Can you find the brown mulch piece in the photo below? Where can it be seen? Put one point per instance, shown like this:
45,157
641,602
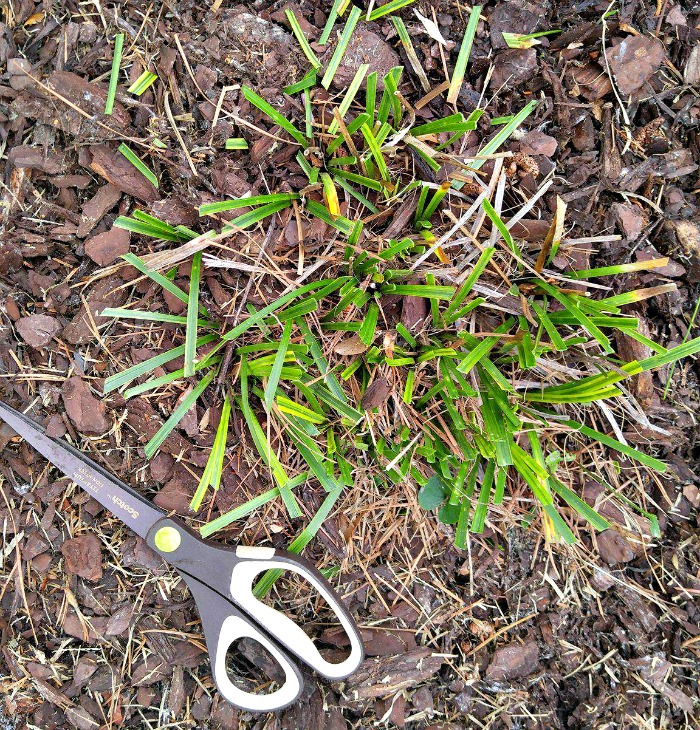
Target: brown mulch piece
105,248
86,411
95,630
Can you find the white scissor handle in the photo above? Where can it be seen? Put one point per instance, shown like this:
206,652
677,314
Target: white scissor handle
232,629
281,627
223,626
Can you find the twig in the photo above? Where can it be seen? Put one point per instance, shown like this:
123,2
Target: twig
169,114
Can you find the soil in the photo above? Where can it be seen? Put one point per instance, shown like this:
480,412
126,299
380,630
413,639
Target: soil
95,632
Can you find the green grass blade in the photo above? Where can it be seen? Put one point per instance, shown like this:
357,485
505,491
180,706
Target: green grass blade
142,83
138,164
500,225
584,509
549,327
350,95
264,447
147,316
312,455
438,195
215,462
340,223
370,98
301,38
366,182
340,49
616,445
338,405
390,7
332,17
156,277
292,408
356,123
321,362
484,347
251,505
113,382
154,383
687,349
452,123
145,229
273,380
374,148
479,519
185,404
369,324
463,57
496,431
582,319
493,145
261,314
301,541
307,82
236,203
619,269
427,291
147,225
274,115
157,223
192,310
411,52
426,153
236,143
464,290
610,304
255,216
389,100
114,74
357,195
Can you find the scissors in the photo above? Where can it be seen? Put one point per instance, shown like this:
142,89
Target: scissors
220,578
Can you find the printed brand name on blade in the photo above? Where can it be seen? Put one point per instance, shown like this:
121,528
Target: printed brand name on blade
126,507
88,480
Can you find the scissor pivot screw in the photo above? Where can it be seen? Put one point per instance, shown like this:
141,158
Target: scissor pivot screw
167,539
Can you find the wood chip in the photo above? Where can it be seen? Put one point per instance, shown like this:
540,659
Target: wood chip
117,170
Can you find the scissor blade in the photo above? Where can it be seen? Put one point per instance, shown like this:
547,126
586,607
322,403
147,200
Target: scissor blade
122,501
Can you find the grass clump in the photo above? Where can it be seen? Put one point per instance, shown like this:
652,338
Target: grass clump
496,387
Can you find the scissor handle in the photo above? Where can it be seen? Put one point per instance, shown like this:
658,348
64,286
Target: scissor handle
231,572
254,560
223,626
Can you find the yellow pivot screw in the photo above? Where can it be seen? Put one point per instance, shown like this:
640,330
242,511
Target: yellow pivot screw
167,539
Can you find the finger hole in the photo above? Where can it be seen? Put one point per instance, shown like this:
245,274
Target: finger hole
293,595
251,668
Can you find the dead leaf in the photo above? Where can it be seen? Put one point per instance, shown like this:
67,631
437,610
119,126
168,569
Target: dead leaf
691,72
377,392
351,346
554,235
431,28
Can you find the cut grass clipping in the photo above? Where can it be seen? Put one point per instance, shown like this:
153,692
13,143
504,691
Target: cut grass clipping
114,74
142,83
488,401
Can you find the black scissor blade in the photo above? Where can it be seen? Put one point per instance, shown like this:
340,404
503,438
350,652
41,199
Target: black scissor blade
122,501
